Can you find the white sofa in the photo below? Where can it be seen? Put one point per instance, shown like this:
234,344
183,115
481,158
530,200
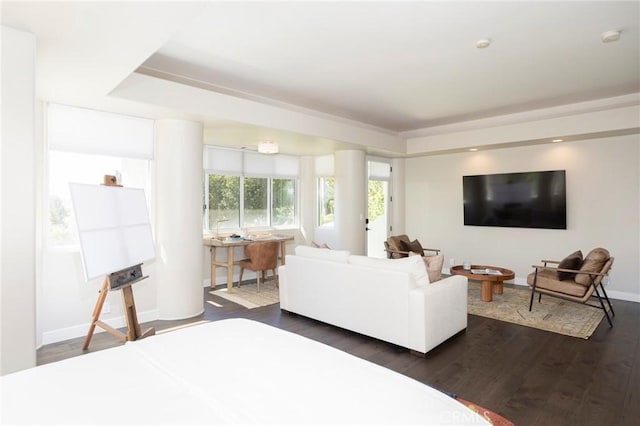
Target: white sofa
388,299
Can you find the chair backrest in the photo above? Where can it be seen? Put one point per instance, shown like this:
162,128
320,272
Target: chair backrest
598,280
263,255
393,243
594,261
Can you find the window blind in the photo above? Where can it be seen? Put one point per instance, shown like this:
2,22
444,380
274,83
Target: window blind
89,131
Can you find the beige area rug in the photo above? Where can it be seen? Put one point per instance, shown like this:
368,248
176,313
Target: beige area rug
249,297
552,314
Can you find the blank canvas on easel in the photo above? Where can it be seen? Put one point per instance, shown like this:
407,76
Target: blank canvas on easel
113,227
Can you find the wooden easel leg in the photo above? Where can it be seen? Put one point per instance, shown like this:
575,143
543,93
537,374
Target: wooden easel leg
133,327
96,312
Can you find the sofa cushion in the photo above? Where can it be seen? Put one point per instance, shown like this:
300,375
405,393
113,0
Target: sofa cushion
594,262
322,253
573,261
548,279
412,264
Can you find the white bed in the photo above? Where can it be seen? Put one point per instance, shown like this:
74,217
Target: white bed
234,371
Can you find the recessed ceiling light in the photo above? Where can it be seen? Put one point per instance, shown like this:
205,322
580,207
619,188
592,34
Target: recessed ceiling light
557,140
483,43
473,149
609,36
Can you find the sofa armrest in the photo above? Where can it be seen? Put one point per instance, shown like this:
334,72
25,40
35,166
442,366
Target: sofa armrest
437,311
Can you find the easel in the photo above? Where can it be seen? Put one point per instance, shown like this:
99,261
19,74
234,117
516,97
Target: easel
119,280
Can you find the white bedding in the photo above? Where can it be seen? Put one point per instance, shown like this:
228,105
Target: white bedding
233,371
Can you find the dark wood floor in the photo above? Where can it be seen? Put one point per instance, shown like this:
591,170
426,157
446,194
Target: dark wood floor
531,377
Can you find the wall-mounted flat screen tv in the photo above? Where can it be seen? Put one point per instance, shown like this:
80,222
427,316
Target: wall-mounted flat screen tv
519,200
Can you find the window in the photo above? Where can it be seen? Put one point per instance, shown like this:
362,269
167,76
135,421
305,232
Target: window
234,202
84,145
224,202
326,196
246,190
283,193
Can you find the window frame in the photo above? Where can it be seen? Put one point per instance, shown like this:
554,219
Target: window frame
209,228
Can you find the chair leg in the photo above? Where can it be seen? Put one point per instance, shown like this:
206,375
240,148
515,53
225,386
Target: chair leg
275,278
601,302
533,289
240,277
539,297
608,301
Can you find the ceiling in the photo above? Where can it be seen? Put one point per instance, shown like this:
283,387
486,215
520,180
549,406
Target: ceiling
397,66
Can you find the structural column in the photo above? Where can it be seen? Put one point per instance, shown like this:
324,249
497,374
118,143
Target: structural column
398,194
351,200
17,202
178,161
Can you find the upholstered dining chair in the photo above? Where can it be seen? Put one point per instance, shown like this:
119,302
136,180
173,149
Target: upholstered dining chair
577,282
260,258
398,246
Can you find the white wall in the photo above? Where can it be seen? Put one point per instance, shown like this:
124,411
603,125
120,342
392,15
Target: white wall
17,202
603,199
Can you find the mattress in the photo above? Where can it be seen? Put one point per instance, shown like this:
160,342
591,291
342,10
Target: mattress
233,371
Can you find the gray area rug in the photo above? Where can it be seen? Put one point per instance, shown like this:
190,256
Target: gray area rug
552,314
249,297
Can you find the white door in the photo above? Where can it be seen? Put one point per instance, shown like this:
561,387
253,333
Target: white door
377,207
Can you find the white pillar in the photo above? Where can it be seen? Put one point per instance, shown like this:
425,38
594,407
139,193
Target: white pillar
178,161
398,194
17,202
350,200
308,199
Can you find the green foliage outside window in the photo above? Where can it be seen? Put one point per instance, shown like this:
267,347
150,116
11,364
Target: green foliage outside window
224,201
376,194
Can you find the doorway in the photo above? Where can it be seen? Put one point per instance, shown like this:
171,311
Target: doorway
378,199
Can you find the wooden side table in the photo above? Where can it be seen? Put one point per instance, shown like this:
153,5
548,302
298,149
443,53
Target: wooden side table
490,283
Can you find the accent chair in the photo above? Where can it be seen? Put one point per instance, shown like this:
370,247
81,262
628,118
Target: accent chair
260,258
574,279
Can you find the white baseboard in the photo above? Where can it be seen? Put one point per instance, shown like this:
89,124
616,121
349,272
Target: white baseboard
81,330
613,294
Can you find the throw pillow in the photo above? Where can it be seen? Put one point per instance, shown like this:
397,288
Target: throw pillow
434,267
573,261
323,245
413,246
594,262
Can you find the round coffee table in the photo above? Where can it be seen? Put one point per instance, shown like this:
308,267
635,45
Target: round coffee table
491,283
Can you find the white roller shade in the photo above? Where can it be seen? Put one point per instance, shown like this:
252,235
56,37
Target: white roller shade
95,132
220,160
324,165
379,170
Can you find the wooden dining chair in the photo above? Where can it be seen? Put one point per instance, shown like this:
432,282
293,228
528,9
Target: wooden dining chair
260,258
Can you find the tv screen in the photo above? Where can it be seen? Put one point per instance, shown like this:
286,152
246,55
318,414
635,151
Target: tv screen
519,200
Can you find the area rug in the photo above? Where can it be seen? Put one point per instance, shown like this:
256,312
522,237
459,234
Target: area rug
552,314
249,297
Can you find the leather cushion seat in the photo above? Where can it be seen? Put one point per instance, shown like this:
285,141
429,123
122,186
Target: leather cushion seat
548,279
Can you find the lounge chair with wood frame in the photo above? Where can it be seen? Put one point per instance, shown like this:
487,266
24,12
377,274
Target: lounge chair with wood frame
398,246
577,284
